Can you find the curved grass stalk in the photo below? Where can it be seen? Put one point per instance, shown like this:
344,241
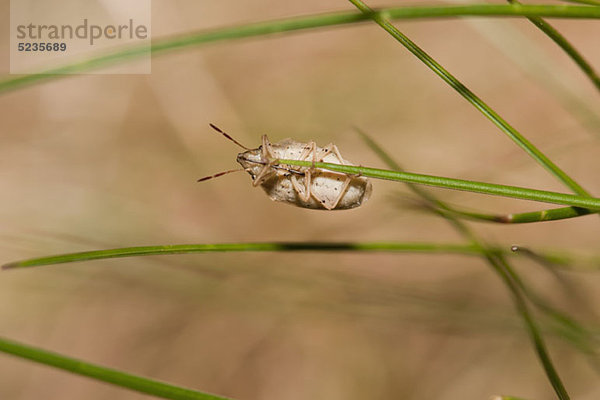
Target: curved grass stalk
516,192
502,267
507,274
444,209
439,248
558,259
564,44
172,43
450,213
539,67
382,20
581,337
554,214
109,375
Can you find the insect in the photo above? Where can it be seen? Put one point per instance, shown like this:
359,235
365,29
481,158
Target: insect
306,187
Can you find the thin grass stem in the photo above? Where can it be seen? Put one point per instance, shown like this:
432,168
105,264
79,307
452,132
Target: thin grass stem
109,375
554,214
434,204
564,44
431,248
382,20
516,192
172,43
499,264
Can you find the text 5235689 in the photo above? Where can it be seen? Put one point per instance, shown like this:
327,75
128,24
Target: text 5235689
43,46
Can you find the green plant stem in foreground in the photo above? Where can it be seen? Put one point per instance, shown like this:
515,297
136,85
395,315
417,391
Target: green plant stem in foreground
457,184
558,259
118,378
554,214
442,248
382,20
431,203
161,45
515,285
564,44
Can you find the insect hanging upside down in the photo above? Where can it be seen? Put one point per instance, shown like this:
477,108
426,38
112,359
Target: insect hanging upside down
306,187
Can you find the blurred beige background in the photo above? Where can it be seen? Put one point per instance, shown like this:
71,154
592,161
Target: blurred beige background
92,162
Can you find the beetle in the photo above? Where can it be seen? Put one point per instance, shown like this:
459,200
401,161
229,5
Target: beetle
306,187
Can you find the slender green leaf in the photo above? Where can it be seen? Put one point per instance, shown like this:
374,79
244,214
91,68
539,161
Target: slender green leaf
109,375
457,184
382,20
501,266
444,209
442,248
554,214
161,45
564,44
508,276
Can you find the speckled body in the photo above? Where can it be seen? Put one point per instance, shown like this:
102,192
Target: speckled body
300,186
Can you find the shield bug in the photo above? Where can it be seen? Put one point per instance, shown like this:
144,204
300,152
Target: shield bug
306,187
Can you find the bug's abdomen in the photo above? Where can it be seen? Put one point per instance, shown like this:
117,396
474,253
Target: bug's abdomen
325,188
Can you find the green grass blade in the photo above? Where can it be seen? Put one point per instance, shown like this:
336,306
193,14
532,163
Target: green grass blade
579,336
507,274
516,192
163,45
539,67
564,44
554,214
560,259
513,134
441,248
502,267
444,209
574,332
118,378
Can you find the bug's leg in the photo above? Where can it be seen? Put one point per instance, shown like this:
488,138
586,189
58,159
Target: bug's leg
331,204
303,192
324,151
311,147
336,151
303,157
263,175
314,154
297,186
268,157
332,147
267,150
341,193
326,204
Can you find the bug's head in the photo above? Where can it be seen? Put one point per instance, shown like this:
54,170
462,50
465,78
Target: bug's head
251,161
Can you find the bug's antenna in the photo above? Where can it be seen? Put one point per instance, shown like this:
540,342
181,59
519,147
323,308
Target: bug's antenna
219,174
216,128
